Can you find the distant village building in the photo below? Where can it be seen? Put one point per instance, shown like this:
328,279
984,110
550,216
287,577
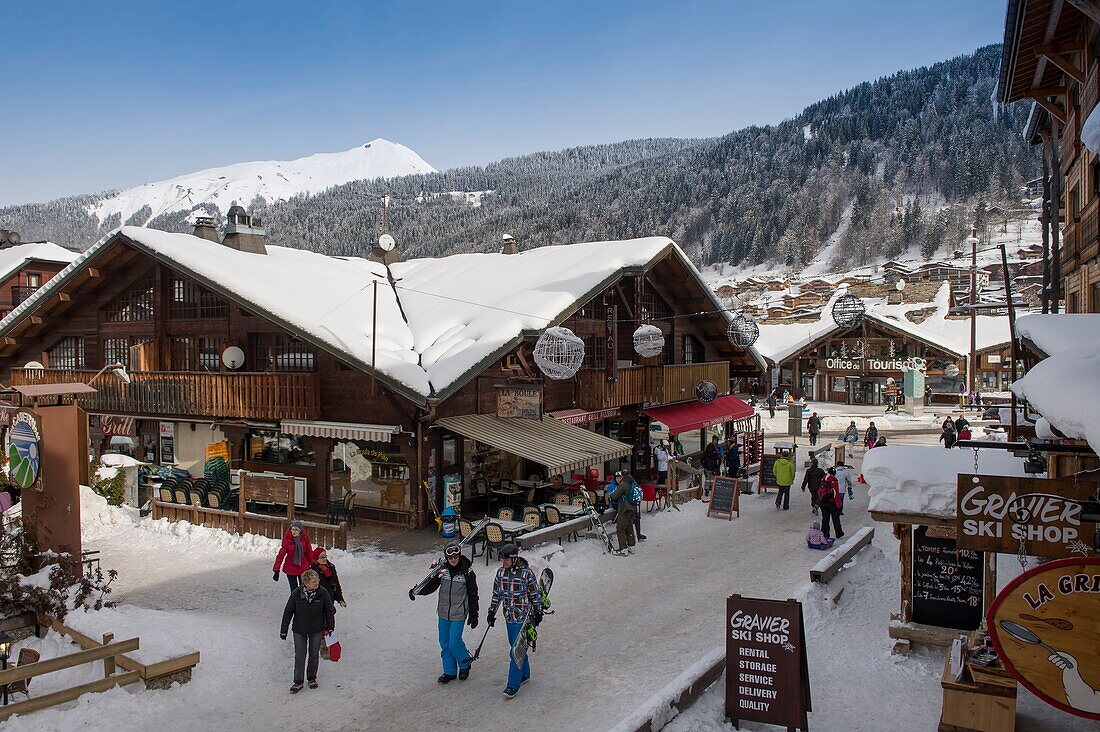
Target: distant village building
26,266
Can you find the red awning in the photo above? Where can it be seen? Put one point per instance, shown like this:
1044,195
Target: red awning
697,415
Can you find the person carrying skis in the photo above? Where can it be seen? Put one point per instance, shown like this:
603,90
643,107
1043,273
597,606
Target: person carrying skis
310,607
456,606
828,497
813,426
326,571
516,589
295,554
812,479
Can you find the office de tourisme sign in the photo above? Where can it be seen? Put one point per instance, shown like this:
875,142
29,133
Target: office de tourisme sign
874,364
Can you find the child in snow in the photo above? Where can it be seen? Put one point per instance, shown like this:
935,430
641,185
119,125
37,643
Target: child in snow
817,540
516,589
871,436
295,555
310,607
326,570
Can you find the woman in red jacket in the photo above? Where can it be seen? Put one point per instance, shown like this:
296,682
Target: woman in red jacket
295,555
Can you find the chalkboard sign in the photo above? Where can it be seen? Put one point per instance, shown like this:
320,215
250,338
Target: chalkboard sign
767,676
724,497
947,582
767,471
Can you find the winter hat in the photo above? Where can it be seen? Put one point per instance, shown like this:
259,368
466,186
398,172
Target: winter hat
832,470
297,525
317,551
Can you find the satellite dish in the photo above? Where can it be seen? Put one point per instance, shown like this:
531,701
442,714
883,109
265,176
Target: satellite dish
33,365
900,285
233,358
386,243
13,237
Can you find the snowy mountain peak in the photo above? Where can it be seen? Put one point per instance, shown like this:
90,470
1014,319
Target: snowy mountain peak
272,180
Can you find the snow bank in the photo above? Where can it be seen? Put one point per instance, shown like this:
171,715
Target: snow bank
918,480
1053,334
658,710
1065,389
160,634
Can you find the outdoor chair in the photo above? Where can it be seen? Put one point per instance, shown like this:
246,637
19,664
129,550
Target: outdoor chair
561,499
166,493
180,493
529,496
26,656
196,496
578,500
532,517
649,495
465,528
213,498
536,477
494,539
553,518
480,491
505,513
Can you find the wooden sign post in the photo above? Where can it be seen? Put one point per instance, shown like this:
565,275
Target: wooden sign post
1045,625
767,473
767,674
724,497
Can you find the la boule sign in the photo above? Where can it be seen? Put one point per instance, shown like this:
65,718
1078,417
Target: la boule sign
996,513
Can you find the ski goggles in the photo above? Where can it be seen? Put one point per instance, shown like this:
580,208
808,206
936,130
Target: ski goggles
452,551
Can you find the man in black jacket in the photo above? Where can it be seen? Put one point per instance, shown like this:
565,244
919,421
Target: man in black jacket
813,426
310,607
457,605
812,480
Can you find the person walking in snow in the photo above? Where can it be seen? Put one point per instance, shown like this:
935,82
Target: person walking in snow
948,436
870,436
771,405
813,426
310,608
960,423
947,422
828,498
326,571
516,589
295,554
712,459
812,480
733,458
784,470
844,480
456,606
622,497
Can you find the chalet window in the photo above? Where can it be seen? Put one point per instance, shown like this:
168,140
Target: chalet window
195,353
189,301
68,353
34,279
280,449
280,352
594,355
693,350
117,350
133,306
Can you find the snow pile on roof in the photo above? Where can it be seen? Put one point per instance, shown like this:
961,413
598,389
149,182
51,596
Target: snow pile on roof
1053,334
13,258
1065,389
115,460
918,480
272,180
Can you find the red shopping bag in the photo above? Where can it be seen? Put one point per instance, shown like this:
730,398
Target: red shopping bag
332,645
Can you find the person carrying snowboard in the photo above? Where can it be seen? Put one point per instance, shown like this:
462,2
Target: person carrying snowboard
516,589
457,605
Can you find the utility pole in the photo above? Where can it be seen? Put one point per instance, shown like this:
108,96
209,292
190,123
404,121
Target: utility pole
972,364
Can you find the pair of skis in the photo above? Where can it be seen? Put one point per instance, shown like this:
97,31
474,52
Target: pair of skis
528,633
477,529
597,524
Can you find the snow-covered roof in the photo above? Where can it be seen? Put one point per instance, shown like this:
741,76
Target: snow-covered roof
437,320
1053,334
922,481
1065,389
12,259
780,342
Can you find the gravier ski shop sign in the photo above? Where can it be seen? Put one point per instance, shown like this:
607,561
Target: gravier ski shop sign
767,679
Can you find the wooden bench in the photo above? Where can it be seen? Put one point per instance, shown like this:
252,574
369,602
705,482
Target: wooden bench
832,562
557,531
817,452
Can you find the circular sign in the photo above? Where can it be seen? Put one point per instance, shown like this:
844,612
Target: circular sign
706,391
951,371
1045,625
23,450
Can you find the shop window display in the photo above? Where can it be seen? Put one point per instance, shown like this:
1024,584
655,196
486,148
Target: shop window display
376,472
278,449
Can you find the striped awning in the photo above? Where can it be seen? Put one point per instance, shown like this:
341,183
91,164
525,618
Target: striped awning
341,430
559,447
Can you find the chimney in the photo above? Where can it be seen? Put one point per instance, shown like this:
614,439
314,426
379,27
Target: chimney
205,228
508,245
9,238
243,232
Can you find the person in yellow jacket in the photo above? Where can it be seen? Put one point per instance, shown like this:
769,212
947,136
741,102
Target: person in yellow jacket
784,476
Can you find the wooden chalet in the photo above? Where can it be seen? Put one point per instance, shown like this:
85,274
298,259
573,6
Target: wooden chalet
24,267
1048,57
349,374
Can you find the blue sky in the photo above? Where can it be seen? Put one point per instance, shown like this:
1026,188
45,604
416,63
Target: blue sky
109,95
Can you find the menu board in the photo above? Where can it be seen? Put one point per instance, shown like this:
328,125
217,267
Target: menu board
767,677
947,582
724,497
767,471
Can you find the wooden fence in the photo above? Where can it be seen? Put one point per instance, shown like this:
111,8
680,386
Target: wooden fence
234,522
107,652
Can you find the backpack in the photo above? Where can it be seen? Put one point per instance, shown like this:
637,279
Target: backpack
826,496
634,494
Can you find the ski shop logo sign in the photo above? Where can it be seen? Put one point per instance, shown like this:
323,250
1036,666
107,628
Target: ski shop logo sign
1045,626
23,449
767,677
997,513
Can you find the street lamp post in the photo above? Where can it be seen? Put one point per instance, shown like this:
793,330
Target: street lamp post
972,362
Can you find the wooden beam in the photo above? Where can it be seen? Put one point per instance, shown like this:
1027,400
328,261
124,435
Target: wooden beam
1051,54
1055,110
11,341
30,670
36,320
64,297
1049,91
93,273
1048,36
67,695
1088,8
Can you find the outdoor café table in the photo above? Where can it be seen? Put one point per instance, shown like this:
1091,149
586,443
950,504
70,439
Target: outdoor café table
538,485
512,528
505,495
569,511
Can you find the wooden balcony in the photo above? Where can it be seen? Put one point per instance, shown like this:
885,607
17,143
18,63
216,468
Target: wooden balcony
263,396
648,384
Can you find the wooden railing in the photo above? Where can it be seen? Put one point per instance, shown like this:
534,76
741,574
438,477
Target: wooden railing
273,527
267,396
648,384
20,293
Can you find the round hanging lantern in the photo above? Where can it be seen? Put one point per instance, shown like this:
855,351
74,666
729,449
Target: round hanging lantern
706,391
743,330
559,353
649,341
848,311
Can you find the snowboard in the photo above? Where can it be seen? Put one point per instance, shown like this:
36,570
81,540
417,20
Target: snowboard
528,633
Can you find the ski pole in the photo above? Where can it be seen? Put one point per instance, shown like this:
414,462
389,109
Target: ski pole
477,651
